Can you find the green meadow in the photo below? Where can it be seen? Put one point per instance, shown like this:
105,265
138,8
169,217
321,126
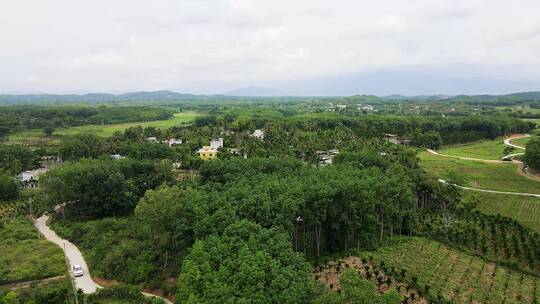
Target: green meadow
523,141
25,256
484,149
477,174
102,130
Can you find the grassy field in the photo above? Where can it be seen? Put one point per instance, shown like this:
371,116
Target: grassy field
458,277
59,291
524,109
103,130
500,177
484,149
525,210
522,141
24,256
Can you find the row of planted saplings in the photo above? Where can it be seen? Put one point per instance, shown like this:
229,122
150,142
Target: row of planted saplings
412,288
509,239
495,238
384,277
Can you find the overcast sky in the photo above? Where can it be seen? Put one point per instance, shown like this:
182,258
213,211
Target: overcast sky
214,46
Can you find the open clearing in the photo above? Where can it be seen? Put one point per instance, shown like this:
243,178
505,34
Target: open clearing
103,130
457,276
481,175
484,149
25,256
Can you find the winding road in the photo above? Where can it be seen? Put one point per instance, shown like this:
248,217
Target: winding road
74,256
488,191
491,161
507,142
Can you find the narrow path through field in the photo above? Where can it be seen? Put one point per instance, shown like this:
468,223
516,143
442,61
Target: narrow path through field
508,141
27,284
74,256
489,191
491,161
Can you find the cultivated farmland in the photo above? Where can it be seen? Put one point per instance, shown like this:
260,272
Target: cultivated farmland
441,272
525,210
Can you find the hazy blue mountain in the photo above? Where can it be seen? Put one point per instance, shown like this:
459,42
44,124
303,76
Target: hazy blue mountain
96,97
384,83
255,92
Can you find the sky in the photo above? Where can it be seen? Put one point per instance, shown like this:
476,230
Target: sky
295,47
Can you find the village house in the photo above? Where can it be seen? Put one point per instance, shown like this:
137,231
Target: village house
173,141
326,157
258,134
207,153
216,143
394,139
152,139
211,151
117,156
365,107
29,179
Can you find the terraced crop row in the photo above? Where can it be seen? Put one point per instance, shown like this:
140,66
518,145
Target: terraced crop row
456,276
525,210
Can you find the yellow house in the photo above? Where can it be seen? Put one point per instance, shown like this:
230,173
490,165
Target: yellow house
207,152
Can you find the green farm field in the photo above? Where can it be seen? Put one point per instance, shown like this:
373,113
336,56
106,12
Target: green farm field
481,175
457,276
484,149
25,256
103,130
523,209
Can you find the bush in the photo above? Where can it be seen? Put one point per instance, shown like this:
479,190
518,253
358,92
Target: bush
532,154
128,293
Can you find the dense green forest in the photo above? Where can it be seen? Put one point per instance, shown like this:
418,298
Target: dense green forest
260,223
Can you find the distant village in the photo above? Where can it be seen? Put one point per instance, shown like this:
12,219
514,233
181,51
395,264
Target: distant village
30,179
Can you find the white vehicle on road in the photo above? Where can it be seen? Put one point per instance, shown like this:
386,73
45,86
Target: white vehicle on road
77,271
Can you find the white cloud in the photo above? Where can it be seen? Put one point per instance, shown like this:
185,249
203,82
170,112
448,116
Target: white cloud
213,45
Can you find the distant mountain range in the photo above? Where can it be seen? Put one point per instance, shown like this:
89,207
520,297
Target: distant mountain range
240,93
98,97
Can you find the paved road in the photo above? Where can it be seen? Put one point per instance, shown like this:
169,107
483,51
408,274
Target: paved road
72,253
74,256
489,191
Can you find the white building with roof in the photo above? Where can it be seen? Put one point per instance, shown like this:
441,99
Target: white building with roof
173,141
216,143
258,134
